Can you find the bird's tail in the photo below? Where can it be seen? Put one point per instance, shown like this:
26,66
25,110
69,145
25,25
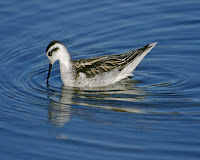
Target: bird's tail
127,71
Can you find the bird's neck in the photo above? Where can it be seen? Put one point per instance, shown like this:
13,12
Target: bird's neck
67,70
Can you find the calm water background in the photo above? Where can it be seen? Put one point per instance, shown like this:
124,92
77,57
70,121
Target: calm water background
155,115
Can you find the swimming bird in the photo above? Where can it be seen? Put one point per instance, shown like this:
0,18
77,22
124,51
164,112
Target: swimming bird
95,71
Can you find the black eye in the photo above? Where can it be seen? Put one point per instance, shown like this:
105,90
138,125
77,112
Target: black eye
50,53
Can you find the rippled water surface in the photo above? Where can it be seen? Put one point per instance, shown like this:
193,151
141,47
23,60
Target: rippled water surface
154,115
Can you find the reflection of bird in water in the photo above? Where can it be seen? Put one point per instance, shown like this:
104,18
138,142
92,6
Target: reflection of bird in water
61,111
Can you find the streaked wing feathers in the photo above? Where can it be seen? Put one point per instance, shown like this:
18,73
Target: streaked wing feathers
98,65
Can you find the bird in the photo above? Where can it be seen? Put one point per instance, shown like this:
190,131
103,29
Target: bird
96,71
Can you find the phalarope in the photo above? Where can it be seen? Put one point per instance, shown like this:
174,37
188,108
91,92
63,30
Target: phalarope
95,71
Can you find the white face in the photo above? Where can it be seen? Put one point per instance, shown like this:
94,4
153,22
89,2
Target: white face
52,52
57,51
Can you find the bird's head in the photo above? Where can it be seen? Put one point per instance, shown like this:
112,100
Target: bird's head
55,51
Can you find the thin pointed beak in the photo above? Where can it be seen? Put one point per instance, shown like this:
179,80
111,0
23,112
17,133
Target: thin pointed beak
50,66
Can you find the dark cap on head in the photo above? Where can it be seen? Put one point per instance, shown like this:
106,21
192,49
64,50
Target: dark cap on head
52,43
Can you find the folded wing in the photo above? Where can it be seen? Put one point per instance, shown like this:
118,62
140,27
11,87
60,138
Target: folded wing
99,65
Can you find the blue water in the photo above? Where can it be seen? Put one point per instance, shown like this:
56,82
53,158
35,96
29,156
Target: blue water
155,115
